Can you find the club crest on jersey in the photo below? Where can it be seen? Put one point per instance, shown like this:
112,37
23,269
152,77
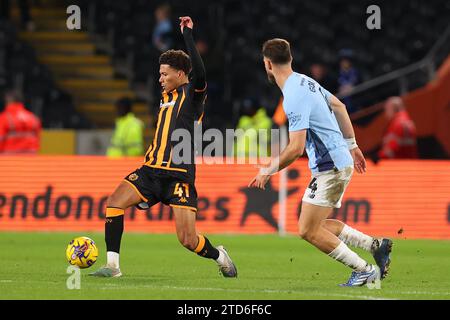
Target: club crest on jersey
293,118
133,177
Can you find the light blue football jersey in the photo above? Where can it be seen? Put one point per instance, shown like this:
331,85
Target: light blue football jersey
307,106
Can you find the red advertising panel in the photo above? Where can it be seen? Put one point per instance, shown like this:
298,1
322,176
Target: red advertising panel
406,199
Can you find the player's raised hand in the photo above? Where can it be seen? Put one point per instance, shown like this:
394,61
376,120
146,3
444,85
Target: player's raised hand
358,160
186,22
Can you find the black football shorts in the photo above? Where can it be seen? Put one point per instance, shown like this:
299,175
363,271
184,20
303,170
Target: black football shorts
156,185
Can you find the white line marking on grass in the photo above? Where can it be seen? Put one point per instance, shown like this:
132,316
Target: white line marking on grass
280,291
425,293
341,295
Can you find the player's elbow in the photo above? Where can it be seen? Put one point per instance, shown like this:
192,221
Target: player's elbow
297,150
298,153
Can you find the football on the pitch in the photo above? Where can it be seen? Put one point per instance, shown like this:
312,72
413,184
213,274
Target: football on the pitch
82,252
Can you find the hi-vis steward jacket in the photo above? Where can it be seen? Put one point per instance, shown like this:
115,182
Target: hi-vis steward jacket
399,141
19,130
127,139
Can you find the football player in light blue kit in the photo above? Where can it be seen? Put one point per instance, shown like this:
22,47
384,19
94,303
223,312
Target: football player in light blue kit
319,122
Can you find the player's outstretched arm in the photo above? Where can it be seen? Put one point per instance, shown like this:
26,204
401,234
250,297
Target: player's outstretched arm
342,117
198,68
345,124
294,149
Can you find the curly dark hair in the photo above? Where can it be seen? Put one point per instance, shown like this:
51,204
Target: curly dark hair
177,59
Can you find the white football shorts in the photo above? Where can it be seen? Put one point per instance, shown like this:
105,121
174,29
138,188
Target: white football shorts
327,188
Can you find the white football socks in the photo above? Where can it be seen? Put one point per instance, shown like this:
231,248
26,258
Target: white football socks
343,254
112,259
355,238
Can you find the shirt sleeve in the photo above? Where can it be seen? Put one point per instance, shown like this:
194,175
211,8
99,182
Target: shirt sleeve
297,111
198,68
326,94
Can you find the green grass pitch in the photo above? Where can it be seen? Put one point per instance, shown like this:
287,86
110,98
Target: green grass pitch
33,266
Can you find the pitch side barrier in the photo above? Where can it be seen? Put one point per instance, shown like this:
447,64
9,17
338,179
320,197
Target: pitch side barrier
402,199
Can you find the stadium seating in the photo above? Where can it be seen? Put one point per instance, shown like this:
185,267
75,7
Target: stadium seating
19,67
236,30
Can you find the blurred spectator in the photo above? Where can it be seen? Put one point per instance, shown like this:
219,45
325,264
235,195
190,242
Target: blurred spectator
319,72
202,46
162,40
162,36
26,22
127,139
213,59
253,119
214,65
348,78
19,128
399,141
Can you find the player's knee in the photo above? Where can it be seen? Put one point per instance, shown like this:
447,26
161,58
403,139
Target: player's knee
306,233
303,234
115,201
111,201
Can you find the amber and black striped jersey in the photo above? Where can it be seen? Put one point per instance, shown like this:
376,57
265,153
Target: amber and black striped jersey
181,108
